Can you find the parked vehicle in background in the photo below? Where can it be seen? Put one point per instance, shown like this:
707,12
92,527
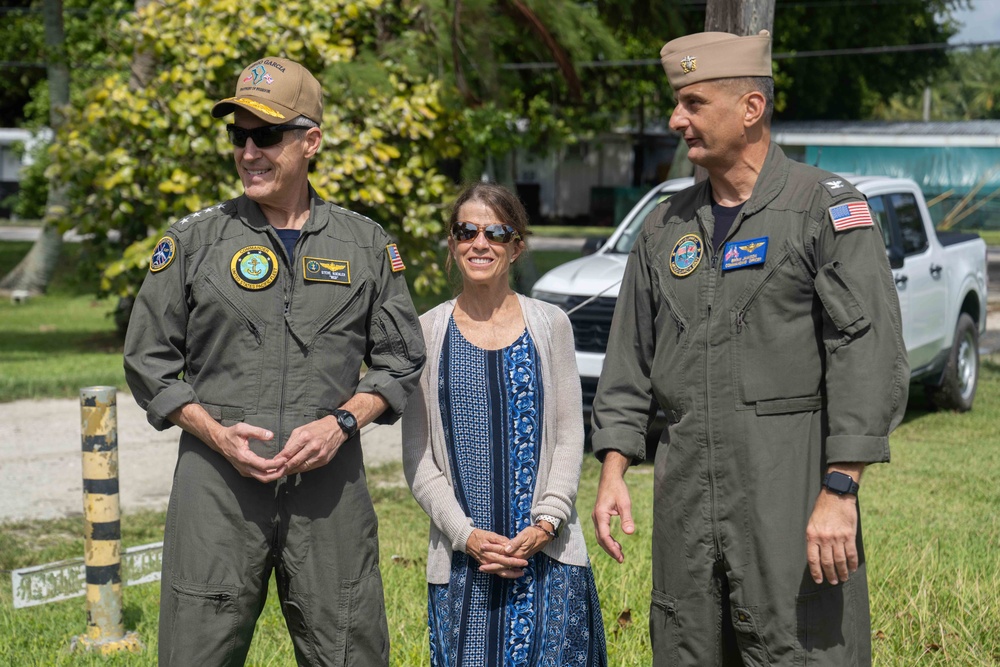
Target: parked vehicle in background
940,279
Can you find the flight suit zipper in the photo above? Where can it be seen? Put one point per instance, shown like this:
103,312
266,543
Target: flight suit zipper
713,505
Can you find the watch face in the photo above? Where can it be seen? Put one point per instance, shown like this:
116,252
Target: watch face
347,422
839,482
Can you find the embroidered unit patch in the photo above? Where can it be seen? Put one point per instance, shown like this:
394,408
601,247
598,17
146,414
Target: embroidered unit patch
163,254
254,267
686,255
395,261
737,254
851,215
323,270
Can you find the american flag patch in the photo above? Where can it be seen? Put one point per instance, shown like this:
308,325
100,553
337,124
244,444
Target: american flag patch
395,261
850,215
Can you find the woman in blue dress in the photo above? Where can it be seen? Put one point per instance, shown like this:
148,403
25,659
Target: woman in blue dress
493,444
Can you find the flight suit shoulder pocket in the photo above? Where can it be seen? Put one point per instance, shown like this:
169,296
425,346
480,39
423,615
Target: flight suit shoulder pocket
840,301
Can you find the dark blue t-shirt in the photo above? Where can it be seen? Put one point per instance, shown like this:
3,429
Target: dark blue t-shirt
288,238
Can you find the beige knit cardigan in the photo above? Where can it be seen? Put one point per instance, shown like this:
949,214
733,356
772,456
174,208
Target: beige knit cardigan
425,455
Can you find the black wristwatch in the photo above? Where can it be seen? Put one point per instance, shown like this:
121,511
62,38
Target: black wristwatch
347,422
840,483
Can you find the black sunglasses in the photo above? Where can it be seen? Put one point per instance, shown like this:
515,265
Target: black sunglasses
466,231
264,136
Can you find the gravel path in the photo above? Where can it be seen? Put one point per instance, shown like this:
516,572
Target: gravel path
41,470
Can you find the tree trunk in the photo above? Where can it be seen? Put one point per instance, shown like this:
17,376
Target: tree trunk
32,275
739,17
143,58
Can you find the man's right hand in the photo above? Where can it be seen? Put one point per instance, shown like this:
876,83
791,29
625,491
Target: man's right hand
613,500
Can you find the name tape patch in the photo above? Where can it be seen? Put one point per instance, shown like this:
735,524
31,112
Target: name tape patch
738,254
319,269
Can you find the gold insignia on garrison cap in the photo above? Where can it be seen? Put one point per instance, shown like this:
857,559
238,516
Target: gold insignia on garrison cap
705,56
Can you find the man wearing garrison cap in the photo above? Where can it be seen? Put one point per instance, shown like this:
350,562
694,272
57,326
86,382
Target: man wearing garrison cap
763,321
249,332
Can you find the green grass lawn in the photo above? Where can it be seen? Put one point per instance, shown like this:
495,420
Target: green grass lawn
932,530
932,520
51,346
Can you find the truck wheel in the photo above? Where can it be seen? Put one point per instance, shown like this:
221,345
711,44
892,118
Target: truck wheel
961,372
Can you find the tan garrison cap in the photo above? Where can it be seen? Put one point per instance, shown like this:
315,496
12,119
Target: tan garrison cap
276,90
715,55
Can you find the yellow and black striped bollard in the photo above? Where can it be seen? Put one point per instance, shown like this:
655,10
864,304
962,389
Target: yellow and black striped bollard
102,513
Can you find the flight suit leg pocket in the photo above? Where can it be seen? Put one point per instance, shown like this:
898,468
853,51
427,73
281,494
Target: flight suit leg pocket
824,626
664,629
367,626
209,612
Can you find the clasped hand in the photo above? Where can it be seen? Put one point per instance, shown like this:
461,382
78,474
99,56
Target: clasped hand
310,446
505,557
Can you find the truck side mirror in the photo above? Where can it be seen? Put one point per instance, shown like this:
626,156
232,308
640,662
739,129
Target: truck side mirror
592,244
895,255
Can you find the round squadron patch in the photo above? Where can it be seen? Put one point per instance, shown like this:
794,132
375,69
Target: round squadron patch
254,267
163,254
686,255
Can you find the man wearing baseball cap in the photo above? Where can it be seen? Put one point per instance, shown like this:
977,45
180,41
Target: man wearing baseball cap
759,313
249,332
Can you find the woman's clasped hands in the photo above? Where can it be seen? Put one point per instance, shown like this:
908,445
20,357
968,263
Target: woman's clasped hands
507,558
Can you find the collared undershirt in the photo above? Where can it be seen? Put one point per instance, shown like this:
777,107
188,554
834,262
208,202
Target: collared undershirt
724,218
288,238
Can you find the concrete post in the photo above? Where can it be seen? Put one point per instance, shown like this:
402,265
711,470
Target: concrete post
102,513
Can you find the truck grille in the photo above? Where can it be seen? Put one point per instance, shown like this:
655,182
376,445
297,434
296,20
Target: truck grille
592,322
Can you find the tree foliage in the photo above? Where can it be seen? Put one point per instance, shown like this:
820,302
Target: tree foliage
409,85
91,34
135,160
852,86
968,89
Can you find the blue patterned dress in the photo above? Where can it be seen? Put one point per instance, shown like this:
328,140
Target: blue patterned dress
491,409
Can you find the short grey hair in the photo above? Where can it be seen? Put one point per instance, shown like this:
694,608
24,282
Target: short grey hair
760,84
303,121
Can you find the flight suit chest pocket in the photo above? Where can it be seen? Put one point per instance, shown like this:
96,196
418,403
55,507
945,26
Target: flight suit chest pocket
225,344
673,338
776,353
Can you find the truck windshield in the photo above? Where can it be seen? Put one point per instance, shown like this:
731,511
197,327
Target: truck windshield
625,242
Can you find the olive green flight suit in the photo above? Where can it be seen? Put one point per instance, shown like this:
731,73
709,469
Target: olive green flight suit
274,347
767,373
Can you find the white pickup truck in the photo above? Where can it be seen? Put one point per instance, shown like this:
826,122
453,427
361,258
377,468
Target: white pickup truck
940,279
